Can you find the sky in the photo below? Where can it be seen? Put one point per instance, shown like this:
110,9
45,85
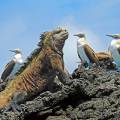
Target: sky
22,22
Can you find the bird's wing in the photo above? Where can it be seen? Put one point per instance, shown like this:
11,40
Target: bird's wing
91,54
104,55
8,64
118,49
8,69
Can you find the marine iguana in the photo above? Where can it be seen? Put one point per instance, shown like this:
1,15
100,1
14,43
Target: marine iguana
44,64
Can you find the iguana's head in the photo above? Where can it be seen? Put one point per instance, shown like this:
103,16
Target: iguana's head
55,39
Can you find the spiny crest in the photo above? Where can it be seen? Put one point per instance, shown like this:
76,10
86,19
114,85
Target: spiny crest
43,37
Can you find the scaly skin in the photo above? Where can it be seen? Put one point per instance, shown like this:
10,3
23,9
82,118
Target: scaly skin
41,70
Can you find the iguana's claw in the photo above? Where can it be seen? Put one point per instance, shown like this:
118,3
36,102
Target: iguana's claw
14,107
16,99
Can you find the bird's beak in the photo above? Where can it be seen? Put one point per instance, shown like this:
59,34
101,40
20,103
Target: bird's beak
110,35
12,50
75,35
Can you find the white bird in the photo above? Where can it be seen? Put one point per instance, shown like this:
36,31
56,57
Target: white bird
13,66
114,48
85,52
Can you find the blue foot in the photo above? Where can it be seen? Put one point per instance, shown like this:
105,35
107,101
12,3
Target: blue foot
118,69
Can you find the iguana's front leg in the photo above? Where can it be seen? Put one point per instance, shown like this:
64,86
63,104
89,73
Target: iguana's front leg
58,65
17,98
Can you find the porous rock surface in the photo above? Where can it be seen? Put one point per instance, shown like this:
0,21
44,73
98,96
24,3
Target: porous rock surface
93,95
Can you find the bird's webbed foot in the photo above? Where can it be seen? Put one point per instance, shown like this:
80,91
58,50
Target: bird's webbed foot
85,64
118,69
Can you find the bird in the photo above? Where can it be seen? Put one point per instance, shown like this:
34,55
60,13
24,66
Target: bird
85,52
13,66
104,55
114,48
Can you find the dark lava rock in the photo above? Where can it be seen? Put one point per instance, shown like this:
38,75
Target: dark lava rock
94,95
58,118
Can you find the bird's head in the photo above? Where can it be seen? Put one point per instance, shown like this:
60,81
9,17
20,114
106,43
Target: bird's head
115,36
17,50
80,35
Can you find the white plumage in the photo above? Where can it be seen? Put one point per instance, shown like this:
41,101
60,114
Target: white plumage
85,52
80,50
13,66
18,63
114,48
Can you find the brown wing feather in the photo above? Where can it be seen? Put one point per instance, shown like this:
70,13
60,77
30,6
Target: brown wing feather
7,70
91,54
103,55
